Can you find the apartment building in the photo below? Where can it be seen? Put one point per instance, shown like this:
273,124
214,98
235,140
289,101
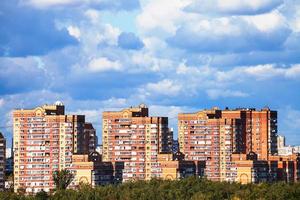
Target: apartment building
82,168
44,141
88,140
132,141
209,140
174,167
287,167
2,161
259,130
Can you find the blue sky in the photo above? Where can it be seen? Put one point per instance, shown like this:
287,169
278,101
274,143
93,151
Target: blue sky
175,56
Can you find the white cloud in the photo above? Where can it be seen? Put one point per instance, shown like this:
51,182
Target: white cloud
219,93
154,44
202,32
93,15
235,33
115,102
94,35
145,61
93,116
293,72
74,31
163,87
267,22
161,16
111,34
99,4
262,71
259,72
234,7
51,3
103,64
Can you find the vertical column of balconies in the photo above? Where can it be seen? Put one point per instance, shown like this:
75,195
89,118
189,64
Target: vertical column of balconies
16,151
222,153
105,139
148,151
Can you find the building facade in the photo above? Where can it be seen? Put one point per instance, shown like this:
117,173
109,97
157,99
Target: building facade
259,130
88,140
44,141
132,141
82,168
2,161
212,136
207,138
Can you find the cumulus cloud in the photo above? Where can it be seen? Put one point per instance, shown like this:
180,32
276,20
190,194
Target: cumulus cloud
49,3
219,93
146,62
103,64
91,108
74,31
233,7
99,4
259,72
236,34
293,72
164,87
21,75
161,17
240,53
93,15
23,33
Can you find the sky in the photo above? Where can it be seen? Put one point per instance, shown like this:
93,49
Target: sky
173,55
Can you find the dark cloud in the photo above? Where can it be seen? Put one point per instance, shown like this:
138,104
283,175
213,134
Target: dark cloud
25,31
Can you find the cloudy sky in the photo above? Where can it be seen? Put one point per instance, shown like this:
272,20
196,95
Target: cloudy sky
173,55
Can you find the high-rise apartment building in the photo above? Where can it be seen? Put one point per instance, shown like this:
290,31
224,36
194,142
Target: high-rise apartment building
88,140
44,141
2,161
214,135
206,137
259,130
132,140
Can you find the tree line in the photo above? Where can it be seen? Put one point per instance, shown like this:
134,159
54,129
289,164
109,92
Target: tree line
191,188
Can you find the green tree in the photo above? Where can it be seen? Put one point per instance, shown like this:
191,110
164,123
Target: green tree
62,179
42,195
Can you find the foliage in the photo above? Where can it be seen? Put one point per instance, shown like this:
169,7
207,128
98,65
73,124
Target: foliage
62,179
189,188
